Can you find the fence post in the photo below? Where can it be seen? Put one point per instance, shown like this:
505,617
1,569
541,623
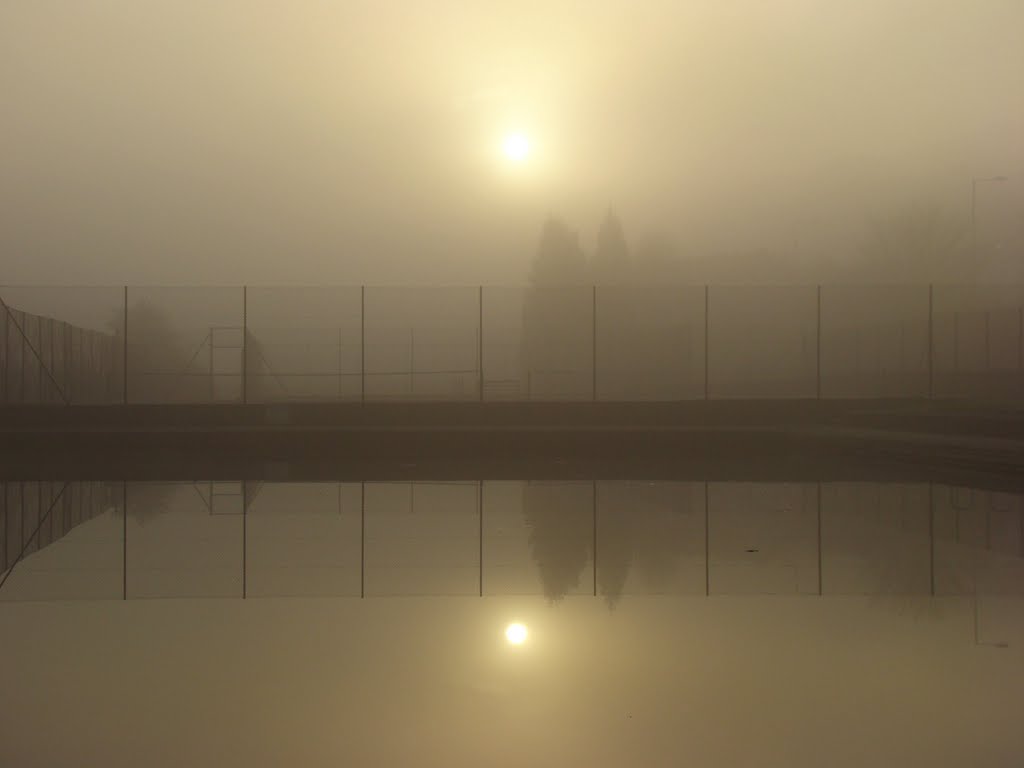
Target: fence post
66,372
362,539
124,351
480,525
707,542
53,370
124,540
44,324
707,314
821,580
593,497
817,354
3,359
903,347
956,342
245,536
931,539
213,380
6,357
988,344
362,343
24,361
480,340
40,325
245,339
1020,338
593,352
931,340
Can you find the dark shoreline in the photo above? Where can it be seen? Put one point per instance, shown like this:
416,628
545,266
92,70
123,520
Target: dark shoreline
952,442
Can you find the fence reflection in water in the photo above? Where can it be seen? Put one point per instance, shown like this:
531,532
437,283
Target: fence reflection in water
73,540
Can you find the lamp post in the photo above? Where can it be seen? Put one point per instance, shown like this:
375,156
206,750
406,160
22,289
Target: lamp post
974,206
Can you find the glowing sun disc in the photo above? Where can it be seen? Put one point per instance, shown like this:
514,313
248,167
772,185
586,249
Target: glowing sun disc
516,634
516,147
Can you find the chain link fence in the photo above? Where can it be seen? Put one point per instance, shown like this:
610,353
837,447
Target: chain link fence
622,343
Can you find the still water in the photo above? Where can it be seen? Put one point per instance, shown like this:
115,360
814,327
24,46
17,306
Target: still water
663,623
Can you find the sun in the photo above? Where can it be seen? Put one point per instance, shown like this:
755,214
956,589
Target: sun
516,634
516,147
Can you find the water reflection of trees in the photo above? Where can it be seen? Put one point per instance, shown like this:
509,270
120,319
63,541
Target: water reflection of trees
635,531
146,501
559,517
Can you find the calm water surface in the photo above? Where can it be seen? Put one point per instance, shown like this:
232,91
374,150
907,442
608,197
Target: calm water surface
364,623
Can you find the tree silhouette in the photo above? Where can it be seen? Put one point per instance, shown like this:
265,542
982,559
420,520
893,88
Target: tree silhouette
559,517
615,541
560,259
157,357
611,263
556,315
920,242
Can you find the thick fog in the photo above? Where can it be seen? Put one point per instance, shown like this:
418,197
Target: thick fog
305,142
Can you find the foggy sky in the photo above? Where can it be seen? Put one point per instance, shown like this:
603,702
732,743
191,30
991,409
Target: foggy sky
230,142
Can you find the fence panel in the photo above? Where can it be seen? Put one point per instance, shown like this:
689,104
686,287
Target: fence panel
422,343
762,341
650,539
979,541
12,358
185,345
762,538
422,538
538,538
303,343
184,539
612,343
875,538
650,342
979,348
874,341
78,350
71,535
304,539
539,343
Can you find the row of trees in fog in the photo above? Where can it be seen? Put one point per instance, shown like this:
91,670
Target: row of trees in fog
916,244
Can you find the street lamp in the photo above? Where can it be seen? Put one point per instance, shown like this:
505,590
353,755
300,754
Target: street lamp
974,201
